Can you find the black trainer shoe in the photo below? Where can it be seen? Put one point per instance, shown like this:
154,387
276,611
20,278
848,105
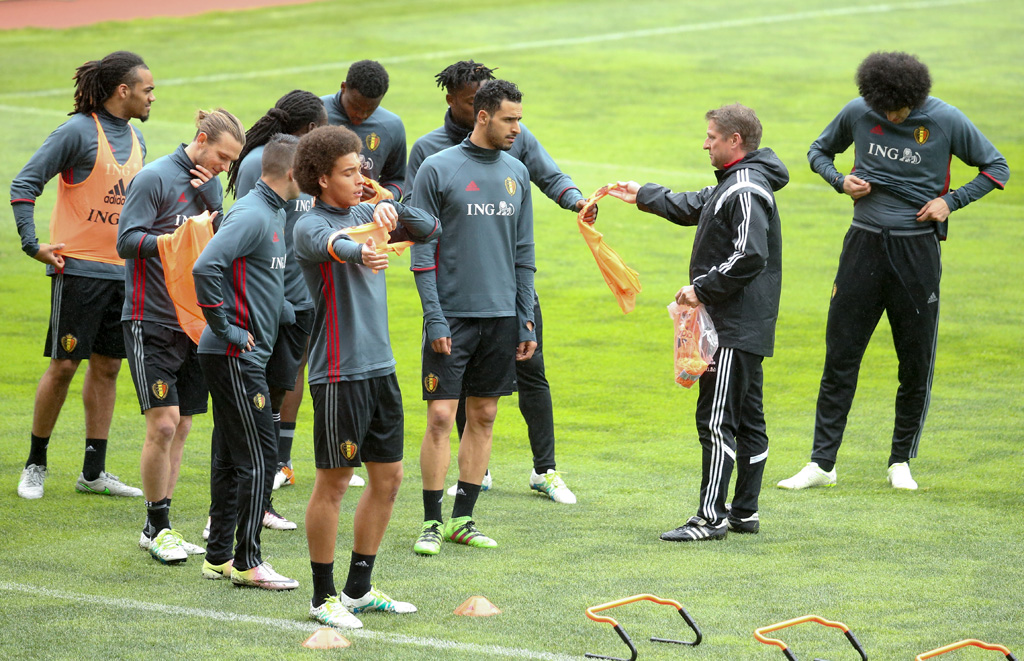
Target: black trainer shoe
696,530
749,525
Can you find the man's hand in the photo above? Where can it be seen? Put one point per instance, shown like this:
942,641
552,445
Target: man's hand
371,258
591,216
936,210
855,187
687,296
49,253
625,191
525,351
442,345
250,343
386,216
201,176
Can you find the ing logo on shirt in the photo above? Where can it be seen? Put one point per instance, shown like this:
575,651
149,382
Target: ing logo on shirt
510,185
372,142
921,135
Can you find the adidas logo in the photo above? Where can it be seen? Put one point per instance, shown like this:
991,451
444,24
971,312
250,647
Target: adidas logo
116,194
182,200
933,298
878,130
460,492
472,187
362,563
90,449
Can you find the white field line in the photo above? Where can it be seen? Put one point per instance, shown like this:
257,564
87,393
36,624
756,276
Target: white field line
854,10
483,651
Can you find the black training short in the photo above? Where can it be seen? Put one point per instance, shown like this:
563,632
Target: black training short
165,368
85,318
482,362
289,351
357,421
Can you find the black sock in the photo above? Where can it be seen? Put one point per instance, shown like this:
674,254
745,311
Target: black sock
323,582
432,505
826,466
95,458
37,451
465,499
284,443
359,570
158,515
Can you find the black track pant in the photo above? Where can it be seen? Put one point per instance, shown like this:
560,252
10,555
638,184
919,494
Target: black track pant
534,402
730,424
244,453
896,272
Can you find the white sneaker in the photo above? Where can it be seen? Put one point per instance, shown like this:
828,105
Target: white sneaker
551,483
810,475
356,481
375,600
485,484
31,483
206,530
166,547
275,521
284,477
146,542
899,477
107,484
263,576
333,614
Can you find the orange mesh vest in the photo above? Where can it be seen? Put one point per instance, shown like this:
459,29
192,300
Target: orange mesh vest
86,214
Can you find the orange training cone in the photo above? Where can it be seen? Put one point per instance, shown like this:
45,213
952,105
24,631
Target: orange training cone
326,638
477,607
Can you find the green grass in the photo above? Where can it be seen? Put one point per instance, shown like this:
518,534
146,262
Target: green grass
908,572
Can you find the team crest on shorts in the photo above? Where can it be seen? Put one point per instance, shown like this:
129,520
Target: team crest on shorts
510,185
349,449
921,135
69,342
430,382
160,389
372,142
259,400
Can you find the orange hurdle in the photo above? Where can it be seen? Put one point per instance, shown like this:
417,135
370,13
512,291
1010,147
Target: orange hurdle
622,632
759,634
966,643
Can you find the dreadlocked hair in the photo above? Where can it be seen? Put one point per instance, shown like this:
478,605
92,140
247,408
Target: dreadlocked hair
97,80
293,112
463,73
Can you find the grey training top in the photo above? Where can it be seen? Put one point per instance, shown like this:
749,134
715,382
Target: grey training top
159,199
249,171
350,339
907,164
484,264
69,151
240,278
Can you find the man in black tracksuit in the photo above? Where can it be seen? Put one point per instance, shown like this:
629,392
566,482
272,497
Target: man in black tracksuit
736,272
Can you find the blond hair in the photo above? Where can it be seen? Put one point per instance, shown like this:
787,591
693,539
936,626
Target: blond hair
215,123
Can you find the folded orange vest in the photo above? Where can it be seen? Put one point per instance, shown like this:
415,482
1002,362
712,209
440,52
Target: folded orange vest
178,254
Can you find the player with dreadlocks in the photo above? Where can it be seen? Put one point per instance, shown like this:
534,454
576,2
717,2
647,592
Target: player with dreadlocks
96,153
356,106
461,81
296,113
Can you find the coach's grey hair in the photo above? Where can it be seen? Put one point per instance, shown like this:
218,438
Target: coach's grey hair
737,118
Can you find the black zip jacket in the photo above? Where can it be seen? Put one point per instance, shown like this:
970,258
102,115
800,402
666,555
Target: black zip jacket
736,261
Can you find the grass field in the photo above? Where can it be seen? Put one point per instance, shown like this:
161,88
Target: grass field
613,92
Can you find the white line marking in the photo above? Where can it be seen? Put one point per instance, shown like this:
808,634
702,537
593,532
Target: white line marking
483,651
544,43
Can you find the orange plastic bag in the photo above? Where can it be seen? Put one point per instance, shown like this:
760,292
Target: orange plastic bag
622,280
178,254
696,342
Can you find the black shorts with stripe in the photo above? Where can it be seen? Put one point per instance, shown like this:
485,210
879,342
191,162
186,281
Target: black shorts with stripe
85,318
165,368
289,351
357,421
482,362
